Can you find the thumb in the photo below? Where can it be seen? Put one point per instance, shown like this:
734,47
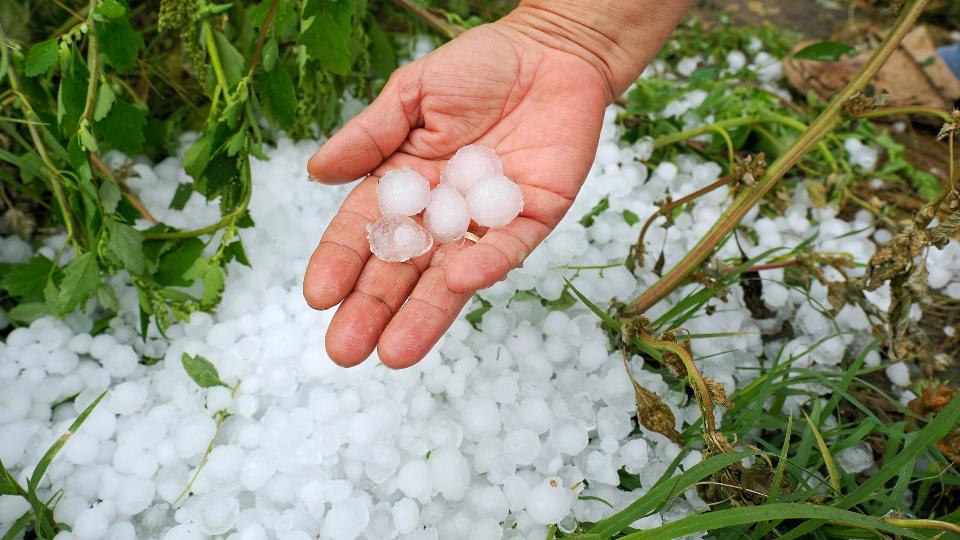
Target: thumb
373,135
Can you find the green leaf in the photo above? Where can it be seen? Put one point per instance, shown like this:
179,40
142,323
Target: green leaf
597,209
51,453
232,61
87,141
181,196
105,99
109,195
18,526
111,9
119,43
212,285
72,95
27,312
631,218
325,43
175,263
475,317
8,484
122,127
41,57
107,298
382,56
80,278
235,252
279,97
202,371
127,244
824,51
270,54
27,281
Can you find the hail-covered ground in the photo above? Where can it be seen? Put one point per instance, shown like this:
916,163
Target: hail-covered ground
494,435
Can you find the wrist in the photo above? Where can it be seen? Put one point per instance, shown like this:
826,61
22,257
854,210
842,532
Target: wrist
618,37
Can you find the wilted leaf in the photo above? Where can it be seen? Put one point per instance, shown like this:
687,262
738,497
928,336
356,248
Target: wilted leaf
654,414
717,393
201,370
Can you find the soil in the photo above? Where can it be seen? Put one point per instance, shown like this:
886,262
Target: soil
808,17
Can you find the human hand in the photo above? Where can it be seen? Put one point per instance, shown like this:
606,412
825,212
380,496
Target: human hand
535,98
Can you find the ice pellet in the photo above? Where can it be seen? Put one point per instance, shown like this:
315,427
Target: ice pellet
398,238
447,215
494,201
470,164
402,192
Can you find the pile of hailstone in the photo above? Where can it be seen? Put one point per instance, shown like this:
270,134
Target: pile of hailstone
498,432
472,186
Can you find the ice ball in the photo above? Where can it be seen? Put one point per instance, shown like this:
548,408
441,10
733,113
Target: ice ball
447,216
470,164
398,238
402,192
494,201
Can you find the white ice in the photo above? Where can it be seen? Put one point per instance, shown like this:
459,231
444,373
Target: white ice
398,238
494,201
470,164
402,192
447,215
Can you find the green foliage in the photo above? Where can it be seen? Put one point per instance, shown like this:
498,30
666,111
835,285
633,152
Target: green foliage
202,371
85,78
824,51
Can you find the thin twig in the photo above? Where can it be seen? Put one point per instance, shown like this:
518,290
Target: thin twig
124,188
267,21
446,28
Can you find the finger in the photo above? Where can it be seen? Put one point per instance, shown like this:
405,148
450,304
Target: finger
500,250
343,250
426,315
373,135
378,294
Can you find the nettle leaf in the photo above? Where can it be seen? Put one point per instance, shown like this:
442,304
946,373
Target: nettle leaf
127,244
27,281
382,56
72,95
107,297
325,43
212,285
175,263
202,371
105,99
80,278
232,60
122,128
278,96
235,252
109,195
824,51
41,57
28,312
119,43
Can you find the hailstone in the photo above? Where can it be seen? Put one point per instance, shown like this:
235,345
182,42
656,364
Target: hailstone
447,216
470,164
402,192
396,238
494,201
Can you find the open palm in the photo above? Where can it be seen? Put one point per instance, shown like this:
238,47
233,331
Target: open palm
539,108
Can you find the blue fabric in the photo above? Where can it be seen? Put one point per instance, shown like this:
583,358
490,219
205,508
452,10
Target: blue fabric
951,56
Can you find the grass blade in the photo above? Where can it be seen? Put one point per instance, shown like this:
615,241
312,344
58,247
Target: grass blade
55,448
663,492
825,452
18,526
778,511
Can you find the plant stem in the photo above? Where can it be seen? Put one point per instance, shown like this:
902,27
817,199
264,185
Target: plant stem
747,200
56,181
267,21
93,58
447,29
215,60
124,188
224,221
893,111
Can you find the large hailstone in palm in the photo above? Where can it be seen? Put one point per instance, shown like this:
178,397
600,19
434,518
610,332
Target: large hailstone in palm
470,164
447,215
402,192
494,201
398,238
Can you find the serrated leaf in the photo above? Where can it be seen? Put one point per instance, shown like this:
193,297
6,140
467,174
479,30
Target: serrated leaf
80,278
27,312
105,99
824,51
41,57
107,298
109,195
119,43
127,244
27,281
72,94
175,263
201,370
325,43
279,97
122,127
232,61
212,285
235,252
